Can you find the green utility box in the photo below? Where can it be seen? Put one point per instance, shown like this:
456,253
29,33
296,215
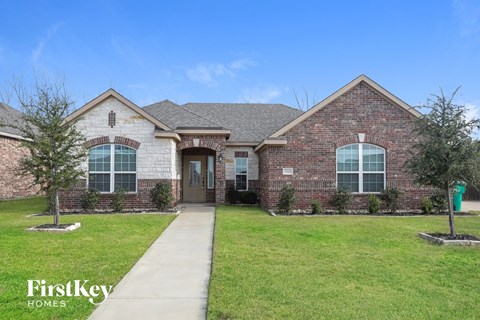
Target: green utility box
457,196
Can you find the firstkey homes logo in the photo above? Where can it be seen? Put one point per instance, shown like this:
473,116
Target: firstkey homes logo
39,290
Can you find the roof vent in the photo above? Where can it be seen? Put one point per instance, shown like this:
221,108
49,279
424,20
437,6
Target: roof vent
111,119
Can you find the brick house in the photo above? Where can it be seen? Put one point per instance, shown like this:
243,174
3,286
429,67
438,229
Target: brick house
357,137
12,185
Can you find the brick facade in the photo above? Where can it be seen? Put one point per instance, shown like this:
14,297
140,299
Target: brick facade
13,185
70,199
311,149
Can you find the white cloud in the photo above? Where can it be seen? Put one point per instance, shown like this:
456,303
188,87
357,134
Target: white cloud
263,94
38,50
210,73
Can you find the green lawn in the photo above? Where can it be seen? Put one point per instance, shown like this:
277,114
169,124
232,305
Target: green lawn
340,267
103,250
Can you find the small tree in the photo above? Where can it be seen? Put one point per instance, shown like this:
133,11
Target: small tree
445,151
56,149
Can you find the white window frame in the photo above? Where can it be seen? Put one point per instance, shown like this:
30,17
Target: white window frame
112,169
241,174
360,171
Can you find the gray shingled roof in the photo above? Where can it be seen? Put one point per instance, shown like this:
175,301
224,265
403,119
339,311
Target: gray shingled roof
247,121
175,116
9,115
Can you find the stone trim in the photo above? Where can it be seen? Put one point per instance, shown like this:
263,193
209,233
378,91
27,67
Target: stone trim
97,141
370,139
128,142
209,144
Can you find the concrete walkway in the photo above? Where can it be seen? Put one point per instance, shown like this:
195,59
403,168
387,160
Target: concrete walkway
471,206
171,280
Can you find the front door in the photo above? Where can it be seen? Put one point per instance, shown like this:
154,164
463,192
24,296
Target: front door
194,179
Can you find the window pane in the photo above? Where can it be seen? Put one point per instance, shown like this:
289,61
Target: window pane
241,182
373,182
99,158
373,158
125,158
240,165
349,180
195,172
211,175
99,182
125,181
347,158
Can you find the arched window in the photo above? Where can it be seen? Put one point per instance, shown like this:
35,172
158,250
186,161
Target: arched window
361,167
112,167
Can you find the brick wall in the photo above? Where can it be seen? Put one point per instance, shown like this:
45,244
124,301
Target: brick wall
11,184
70,199
312,144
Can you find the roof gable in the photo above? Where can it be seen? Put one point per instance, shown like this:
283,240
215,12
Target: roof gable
112,93
362,78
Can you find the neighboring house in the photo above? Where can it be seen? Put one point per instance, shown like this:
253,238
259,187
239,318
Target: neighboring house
12,185
357,137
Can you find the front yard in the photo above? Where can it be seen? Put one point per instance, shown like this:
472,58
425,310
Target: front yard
102,251
340,267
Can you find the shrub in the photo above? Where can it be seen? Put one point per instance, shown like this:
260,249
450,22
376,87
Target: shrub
245,197
373,203
248,197
316,207
427,205
341,200
118,200
90,200
392,198
287,199
161,195
439,202
232,195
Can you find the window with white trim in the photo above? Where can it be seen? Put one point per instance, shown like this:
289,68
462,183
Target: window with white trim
361,168
105,175
241,174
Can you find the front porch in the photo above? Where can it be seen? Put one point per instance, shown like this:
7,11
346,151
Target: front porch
202,169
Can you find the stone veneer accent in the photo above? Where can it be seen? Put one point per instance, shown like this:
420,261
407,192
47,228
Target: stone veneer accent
311,149
14,185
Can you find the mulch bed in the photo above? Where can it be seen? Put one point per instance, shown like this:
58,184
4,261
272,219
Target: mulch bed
55,226
447,236
380,214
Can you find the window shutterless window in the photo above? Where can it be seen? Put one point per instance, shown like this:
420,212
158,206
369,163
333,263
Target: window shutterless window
241,174
210,172
361,168
106,175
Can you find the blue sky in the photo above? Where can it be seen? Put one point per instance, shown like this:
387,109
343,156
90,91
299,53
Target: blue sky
243,51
